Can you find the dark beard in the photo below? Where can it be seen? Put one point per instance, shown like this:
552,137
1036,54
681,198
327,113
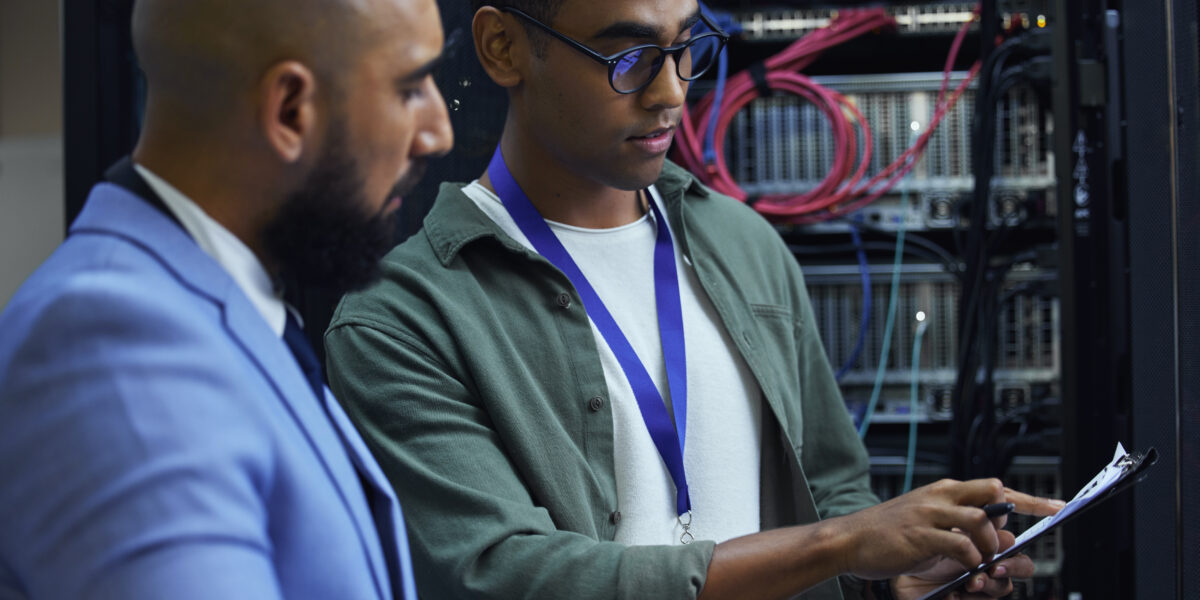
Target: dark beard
323,237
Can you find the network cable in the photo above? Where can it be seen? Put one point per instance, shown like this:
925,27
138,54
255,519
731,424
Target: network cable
841,191
865,322
732,27
973,401
913,412
893,305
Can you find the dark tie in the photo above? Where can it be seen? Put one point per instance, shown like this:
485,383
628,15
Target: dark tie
381,513
297,342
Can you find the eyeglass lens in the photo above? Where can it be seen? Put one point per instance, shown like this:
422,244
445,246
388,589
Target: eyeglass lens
637,67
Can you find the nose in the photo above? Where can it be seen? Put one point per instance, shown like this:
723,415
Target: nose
435,137
666,90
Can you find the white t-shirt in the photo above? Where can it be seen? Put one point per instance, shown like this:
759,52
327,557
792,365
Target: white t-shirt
724,428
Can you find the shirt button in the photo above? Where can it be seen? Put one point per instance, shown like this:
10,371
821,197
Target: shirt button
564,300
596,403
615,517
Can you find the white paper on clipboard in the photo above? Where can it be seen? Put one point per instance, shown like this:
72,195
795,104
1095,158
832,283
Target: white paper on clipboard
1119,470
1102,482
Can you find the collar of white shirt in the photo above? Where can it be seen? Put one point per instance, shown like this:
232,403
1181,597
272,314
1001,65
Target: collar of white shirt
225,248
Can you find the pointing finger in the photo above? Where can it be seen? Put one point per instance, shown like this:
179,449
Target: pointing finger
1033,505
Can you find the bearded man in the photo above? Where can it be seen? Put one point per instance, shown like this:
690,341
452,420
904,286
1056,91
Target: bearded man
164,428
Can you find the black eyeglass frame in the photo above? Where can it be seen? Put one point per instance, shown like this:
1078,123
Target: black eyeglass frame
613,60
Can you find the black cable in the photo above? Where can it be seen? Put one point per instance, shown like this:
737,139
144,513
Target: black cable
992,462
968,401
948,260
981,441
972,433
1005,456
974,258
984,390
987,329
877,247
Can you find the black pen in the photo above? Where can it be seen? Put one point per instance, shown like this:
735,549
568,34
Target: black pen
999,509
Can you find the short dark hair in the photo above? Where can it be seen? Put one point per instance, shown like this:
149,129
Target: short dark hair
542,10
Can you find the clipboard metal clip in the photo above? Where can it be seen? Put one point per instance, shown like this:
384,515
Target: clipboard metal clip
1128,461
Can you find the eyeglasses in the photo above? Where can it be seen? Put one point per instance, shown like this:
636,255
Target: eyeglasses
633,69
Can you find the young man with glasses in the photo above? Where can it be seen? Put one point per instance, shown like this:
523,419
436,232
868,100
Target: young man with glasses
589,376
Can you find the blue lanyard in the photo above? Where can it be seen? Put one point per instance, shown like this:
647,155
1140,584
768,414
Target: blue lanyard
668,437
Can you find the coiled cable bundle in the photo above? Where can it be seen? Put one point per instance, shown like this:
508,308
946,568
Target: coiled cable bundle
842,191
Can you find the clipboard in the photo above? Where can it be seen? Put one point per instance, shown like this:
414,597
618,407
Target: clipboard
1125,470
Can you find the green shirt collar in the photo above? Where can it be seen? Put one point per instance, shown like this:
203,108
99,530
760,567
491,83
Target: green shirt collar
455,221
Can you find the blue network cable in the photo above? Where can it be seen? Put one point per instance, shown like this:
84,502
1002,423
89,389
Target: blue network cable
893,302
710,133
865,322
731,26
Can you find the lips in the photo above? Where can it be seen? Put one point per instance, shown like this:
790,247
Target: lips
657,141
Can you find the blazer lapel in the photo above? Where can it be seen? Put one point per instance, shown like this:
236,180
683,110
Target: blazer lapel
276,363
385,508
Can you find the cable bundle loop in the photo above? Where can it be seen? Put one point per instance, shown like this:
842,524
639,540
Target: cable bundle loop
842,190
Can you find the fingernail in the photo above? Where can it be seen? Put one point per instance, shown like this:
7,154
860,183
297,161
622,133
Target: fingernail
1000,571
1057,503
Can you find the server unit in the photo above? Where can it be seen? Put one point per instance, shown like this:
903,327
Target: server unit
1028,351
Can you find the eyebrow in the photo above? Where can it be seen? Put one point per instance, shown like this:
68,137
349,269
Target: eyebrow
449,48
624,30
424,70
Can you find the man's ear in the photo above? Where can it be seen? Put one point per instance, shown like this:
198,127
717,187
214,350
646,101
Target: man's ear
499,44
287,111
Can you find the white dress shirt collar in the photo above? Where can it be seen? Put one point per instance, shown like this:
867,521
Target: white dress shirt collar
225,248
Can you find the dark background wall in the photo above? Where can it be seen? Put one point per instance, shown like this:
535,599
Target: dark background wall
30,139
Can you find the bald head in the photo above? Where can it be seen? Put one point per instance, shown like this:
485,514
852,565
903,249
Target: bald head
200,55
295,124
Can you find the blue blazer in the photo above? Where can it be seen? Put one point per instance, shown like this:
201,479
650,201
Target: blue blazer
158,440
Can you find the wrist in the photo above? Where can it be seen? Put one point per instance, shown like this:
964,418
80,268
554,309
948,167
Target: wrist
837,541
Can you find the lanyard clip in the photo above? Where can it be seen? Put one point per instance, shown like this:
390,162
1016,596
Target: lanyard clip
686,537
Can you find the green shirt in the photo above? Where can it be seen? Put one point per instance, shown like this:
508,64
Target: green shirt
472,372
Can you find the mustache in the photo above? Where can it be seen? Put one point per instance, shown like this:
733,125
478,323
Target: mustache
410,179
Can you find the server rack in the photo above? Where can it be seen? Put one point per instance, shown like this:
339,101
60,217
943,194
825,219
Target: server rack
1093,249
1161,76
1107,167
783,144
